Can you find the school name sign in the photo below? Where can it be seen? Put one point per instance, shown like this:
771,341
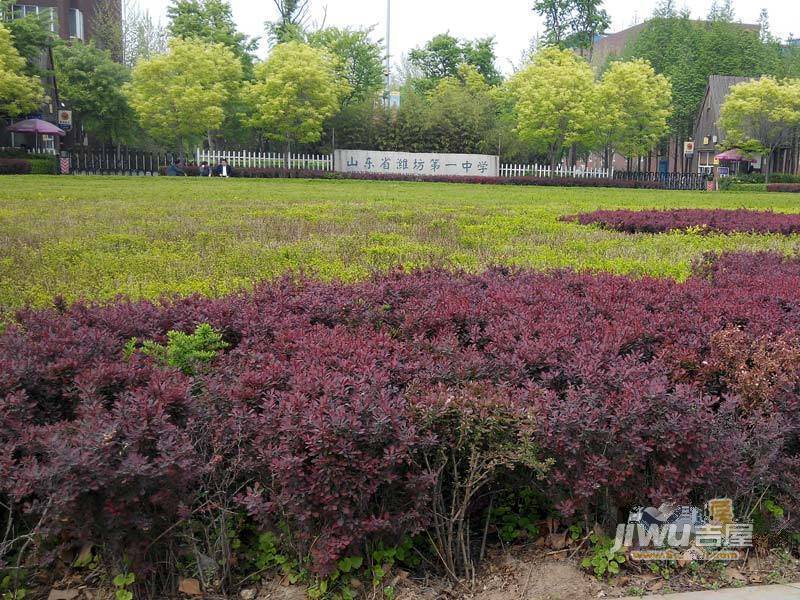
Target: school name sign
406,163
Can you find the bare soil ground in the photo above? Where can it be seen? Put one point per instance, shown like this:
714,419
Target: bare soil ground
523,573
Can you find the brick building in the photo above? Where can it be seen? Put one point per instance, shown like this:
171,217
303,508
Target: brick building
709,136
71,20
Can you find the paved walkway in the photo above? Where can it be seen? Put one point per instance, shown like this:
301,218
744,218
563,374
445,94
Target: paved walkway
769,592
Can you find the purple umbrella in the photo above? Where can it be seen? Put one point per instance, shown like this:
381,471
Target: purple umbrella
735,155
36,126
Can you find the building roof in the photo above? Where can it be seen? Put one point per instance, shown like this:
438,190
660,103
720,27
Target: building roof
719,86
708,114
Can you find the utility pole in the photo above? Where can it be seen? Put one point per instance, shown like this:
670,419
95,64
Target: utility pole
388,69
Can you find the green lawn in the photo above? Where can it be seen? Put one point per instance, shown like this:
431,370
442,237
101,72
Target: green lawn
97,237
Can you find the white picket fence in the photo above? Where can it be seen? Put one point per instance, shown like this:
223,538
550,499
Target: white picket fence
324,162
266,160
544,171
46,151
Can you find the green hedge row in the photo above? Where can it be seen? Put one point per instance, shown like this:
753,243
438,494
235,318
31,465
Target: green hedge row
761,178
45,165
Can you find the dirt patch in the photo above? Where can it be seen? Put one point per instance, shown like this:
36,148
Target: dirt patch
534,574
521,576
547,580
277,591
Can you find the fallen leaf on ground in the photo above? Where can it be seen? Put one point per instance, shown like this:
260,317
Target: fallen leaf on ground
63,594
734,573
190,587
557,541
85,555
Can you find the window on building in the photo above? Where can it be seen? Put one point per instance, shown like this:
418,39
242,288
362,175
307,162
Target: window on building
705,163
76,24
48,13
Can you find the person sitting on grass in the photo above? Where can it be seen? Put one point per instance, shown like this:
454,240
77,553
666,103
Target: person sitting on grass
223,169
205,169
176,169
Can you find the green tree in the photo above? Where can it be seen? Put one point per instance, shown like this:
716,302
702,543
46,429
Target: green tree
30,35
764,30
665,9
409,129
588,21
722,11
20,93
557,16
636,106
182,96
463,113
761,115
107,28
358,60
142,38
555,102
293,16
444,54
688,52
294,93
211,21
362,125
91,83
573,23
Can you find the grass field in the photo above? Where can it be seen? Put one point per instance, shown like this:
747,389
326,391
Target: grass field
100,237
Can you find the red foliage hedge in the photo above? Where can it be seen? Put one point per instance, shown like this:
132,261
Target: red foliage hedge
13,166
256,173
702,220
784,187
317,414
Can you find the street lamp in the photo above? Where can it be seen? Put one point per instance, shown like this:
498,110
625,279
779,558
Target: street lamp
388,70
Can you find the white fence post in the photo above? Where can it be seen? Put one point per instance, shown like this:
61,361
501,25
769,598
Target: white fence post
541,171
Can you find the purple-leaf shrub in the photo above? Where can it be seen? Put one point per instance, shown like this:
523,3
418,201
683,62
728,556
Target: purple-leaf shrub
784,187
317,414
281,173
12,166
695,219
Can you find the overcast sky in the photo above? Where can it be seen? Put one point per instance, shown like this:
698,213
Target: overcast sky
511,22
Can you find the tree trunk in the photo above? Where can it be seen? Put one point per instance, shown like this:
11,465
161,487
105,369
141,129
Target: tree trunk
675,156
768,167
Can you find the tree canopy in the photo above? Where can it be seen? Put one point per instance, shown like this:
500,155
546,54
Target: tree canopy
295,91
636,104
211,21
760,115
293,17
463,112
555,102
142,37
573,23
181,96
688,52
444,54
91,83
358,60
20,93
30,35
